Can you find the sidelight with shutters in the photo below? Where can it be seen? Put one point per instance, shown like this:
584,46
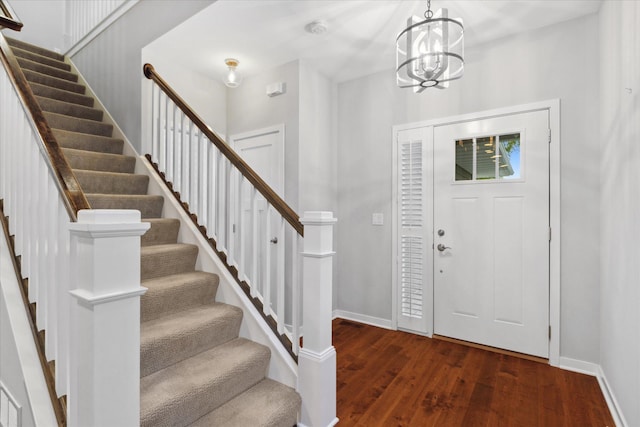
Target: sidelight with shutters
412,267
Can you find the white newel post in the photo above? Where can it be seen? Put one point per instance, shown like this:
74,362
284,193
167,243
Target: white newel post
317,358
104,372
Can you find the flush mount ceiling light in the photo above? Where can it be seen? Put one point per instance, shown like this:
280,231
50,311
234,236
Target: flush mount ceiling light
429,52
233,78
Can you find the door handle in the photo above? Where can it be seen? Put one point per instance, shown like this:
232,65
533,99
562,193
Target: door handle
274,240
442,247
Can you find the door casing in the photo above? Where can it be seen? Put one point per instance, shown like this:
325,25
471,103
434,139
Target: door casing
553,108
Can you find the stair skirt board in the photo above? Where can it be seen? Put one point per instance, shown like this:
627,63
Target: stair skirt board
195,368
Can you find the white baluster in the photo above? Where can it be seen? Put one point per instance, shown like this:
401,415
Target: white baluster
254,242
280,282
295,292
266,287
242,248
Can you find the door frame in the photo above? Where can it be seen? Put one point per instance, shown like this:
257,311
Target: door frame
279,129
553,108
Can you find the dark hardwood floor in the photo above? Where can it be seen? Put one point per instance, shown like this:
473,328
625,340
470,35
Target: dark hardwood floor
389,378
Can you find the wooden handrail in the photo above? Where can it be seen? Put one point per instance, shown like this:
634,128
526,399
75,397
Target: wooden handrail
74,199
8,18
267,192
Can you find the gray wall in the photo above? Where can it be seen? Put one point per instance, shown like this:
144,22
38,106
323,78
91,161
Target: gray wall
43,23
249,108
555,62
112,62
620,203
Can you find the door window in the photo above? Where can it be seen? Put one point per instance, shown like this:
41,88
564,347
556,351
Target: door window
488,158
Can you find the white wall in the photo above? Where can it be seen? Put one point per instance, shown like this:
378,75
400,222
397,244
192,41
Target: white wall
560,61
620,203
112,62
206,96
318,145
43,23
249,108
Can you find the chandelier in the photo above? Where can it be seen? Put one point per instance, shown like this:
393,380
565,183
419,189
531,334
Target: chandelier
430,51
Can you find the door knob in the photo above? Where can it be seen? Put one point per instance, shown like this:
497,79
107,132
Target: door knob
274,240
442,247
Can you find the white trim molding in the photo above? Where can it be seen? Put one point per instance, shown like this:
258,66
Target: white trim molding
595,370
612,403
363,318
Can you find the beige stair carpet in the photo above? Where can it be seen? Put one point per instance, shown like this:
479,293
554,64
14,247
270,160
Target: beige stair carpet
195,370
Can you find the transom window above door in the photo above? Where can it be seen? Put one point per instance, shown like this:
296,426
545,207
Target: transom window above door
488,158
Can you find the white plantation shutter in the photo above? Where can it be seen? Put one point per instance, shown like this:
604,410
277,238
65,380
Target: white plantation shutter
411,224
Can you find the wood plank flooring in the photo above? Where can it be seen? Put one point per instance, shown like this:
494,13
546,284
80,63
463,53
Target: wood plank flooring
389,378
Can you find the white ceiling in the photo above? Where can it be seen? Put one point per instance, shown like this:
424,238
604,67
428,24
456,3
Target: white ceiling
360,39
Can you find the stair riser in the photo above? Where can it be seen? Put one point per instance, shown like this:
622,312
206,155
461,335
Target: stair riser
58,121
45,69
68,109
61,95
192,292
164,352
86,142
168,263
101,183
160,233
79,160
149,206
43,79
20,53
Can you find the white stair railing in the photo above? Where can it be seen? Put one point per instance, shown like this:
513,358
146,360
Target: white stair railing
257,234
252,227
66,249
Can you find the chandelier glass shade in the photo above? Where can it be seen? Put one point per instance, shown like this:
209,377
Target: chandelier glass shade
430,51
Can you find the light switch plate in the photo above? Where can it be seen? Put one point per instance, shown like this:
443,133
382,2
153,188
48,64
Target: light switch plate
377,219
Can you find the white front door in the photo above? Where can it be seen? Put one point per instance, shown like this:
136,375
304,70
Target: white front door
263,150
491,232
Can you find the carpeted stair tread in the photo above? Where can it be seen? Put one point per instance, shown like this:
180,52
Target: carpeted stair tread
169,294
27,64
74,124
88,142
43,79
162,231
69,109
182,393
61,94
266,404
89,160
22,53
35,49
166,260
149,206
178,336
111,183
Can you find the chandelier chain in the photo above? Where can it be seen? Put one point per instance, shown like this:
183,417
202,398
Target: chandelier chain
428,14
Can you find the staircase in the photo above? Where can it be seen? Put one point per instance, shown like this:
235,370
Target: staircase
195,369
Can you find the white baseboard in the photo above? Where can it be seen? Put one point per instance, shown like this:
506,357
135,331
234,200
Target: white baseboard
595,370
612,403
363,318
580,366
